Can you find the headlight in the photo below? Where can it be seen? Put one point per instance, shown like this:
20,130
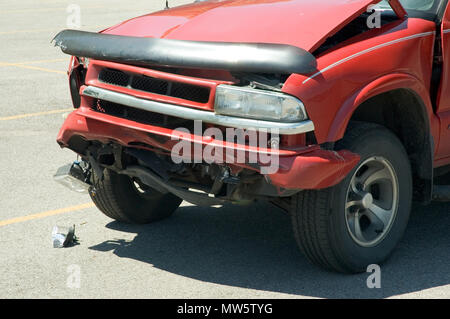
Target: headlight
258,104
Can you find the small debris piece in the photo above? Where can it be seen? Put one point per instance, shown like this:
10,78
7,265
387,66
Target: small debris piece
64,236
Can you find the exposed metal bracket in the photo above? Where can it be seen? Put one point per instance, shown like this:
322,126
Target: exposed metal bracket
154,181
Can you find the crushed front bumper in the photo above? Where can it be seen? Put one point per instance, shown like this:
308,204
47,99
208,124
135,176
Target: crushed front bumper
299,169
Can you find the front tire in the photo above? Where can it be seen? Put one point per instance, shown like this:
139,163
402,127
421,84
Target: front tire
361,220
126,200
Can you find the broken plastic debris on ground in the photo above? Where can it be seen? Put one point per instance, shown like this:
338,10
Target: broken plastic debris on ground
64,236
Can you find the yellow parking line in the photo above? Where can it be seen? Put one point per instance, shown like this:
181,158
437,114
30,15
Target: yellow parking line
23,66
46,214
39,69
40,61
21,116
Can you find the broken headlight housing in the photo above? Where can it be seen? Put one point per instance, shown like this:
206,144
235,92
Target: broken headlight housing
258,104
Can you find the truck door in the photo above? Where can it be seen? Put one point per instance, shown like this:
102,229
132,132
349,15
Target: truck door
443,98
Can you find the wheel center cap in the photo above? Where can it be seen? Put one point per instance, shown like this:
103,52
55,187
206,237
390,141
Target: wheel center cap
367,200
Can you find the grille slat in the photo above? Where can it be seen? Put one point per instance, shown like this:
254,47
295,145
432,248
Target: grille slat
148,84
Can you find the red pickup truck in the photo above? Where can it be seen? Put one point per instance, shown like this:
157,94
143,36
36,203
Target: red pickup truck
336,111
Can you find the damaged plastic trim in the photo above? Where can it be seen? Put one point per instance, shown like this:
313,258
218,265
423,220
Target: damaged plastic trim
237,57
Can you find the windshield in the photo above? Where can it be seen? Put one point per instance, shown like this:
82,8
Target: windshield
418,8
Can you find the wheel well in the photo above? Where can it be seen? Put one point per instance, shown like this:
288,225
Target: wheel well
404,113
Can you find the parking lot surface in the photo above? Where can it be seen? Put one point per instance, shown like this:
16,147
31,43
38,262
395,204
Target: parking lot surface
228,252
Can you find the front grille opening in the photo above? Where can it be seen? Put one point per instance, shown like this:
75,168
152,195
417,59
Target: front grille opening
148,84
114,77
190,92
141,116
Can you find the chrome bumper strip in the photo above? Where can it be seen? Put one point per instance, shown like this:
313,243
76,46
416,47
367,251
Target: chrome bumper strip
195,114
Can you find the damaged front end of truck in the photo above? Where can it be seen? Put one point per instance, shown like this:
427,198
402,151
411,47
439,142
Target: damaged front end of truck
136,100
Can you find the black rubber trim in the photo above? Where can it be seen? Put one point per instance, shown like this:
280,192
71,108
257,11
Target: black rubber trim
240,57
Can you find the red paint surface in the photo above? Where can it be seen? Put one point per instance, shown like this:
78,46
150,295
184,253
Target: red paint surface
443,110
302,23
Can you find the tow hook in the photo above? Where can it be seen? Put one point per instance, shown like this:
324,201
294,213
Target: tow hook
75,176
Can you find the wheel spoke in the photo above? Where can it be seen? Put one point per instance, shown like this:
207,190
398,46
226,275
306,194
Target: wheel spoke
356,226
375,221
352,204
381,174
369,171
353,185
381,214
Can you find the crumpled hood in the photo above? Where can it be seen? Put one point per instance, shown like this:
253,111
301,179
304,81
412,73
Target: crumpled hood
302,23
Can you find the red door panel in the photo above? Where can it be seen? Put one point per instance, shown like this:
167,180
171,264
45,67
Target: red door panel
443,101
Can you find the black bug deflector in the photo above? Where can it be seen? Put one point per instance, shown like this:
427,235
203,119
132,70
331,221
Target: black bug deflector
238,57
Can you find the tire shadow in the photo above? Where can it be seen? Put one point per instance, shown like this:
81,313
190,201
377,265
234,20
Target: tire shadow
253,247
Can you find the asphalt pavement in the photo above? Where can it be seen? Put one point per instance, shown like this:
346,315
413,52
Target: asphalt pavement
228,252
